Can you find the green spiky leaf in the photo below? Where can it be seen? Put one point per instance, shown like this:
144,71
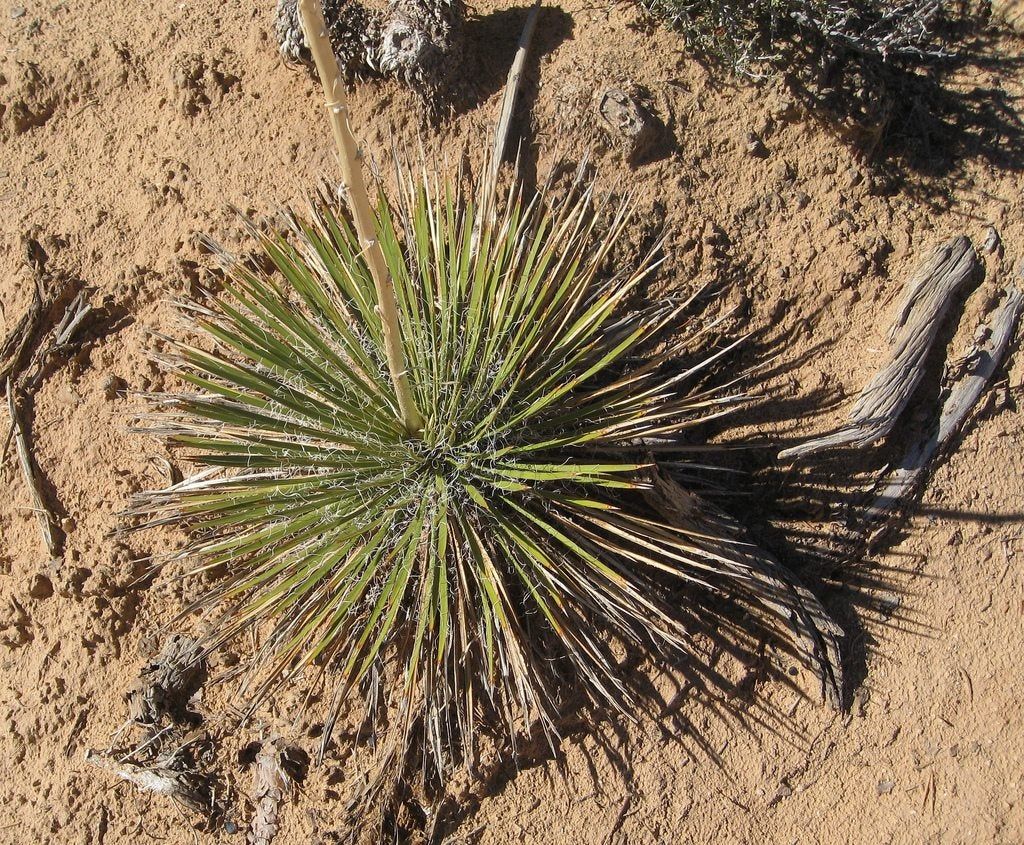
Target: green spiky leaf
477,564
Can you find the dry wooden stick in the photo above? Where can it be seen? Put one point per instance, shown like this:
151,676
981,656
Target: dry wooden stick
983,358
508,98
930,292
60,344
312,16
47,523
12,350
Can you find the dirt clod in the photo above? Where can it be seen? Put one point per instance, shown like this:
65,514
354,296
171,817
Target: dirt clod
40,587
27,100
633,127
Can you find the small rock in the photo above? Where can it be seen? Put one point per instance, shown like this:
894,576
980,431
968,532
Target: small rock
30,102
783,792
40,587
631,123
783,172
993,244
17,12
860,702
889,603
714,235
755,146
224,659
884,787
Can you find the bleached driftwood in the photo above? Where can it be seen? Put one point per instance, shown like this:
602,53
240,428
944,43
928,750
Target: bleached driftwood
985,355
930,292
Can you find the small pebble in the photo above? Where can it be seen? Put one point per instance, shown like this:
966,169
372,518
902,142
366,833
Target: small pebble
889,603
783,792
993,243
755,146
17,12
885,787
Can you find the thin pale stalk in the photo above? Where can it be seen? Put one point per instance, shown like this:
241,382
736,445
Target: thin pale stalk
349,157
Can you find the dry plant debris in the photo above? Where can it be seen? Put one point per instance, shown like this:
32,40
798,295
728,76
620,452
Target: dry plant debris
167,758
417,41
277,767
630,123
930,292
22,372
976,368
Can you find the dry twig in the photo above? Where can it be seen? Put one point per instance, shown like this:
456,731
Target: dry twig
508,98
44,516
987,352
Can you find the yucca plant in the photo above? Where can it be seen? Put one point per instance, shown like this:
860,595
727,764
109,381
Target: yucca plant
442,498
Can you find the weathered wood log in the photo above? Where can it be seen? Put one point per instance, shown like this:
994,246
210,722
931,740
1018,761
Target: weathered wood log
930,292
985,355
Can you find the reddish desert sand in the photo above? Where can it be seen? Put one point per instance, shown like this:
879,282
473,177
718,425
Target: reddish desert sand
128,129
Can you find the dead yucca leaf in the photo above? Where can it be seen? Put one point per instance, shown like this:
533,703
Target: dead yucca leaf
464,571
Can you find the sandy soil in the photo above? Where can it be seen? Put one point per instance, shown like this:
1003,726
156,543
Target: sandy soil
126,131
